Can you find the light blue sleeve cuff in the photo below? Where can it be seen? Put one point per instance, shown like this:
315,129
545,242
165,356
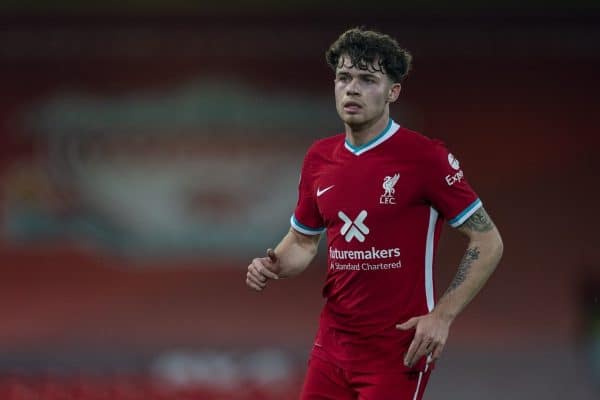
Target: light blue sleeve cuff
465,214
305,229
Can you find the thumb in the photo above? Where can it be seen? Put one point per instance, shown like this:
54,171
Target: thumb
410,324
272,256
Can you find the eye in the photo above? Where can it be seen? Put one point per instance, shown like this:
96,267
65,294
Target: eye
343,78
369,79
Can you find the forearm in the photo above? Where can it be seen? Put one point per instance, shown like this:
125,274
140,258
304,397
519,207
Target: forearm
295,253
477,265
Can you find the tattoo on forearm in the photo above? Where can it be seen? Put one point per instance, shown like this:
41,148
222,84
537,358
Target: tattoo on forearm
480,221
470,256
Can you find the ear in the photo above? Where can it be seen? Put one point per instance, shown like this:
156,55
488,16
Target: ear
394,92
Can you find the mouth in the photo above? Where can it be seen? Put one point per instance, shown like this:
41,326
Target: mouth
352,107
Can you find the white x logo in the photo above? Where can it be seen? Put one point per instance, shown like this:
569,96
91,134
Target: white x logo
354,229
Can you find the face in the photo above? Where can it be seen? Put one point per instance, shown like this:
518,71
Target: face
362,96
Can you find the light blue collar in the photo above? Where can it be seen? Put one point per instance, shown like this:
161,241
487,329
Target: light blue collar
391,128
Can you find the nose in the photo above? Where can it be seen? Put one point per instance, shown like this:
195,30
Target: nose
353,88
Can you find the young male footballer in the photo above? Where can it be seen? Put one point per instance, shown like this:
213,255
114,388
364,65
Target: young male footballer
382,193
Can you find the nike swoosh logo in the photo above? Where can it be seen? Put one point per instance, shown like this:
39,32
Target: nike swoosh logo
320,192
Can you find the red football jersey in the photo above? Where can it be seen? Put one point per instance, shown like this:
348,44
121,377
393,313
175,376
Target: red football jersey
383,205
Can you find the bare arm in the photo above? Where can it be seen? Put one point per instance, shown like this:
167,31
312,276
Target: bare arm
291,256
479,261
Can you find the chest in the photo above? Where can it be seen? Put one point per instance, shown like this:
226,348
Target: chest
383,185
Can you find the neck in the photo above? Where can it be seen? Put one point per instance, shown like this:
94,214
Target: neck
358,135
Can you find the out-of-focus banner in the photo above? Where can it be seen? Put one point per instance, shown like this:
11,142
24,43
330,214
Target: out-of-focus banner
206,166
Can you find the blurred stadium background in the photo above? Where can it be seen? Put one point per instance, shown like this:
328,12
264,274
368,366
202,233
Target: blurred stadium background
149,150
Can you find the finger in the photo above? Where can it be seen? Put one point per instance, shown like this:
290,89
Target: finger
256,274
262,282
259,265
253,285
410,324
252,281
272,256
274,259
437,352
263,270
257,278
430,347
421,351
412,349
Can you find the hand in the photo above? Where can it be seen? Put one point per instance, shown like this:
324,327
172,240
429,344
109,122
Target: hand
431,333
261,270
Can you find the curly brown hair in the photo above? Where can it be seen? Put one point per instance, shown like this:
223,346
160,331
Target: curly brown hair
370,50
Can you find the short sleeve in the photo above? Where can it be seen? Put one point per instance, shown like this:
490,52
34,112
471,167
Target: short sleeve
307,218
447,189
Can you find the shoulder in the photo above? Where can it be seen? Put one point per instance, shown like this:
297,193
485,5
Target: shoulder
325,147
420,145
327,143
